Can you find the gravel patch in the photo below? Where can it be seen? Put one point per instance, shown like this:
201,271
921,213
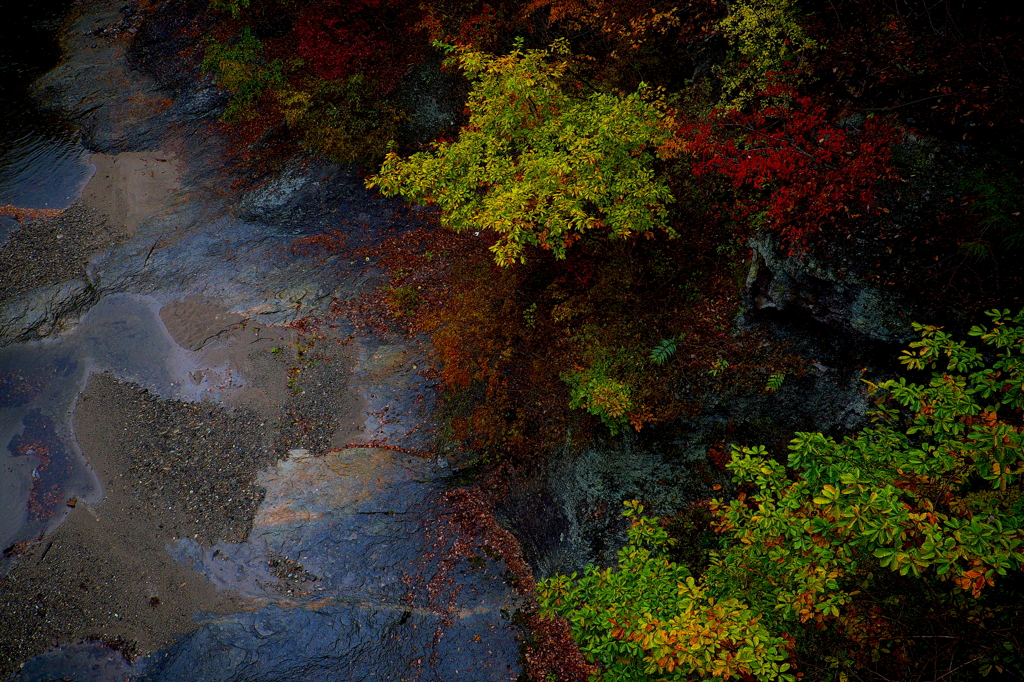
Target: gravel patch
45,252
192,464
169,470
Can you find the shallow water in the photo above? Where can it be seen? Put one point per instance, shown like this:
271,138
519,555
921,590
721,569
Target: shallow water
42,162
86,662
39,383
42,166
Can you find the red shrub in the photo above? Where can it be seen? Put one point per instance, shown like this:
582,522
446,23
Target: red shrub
807,173
335,40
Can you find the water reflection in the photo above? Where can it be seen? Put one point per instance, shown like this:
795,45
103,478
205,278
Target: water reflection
42,163
42,167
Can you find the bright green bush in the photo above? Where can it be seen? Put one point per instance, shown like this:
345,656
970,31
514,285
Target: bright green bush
931,491
601,395
540,165
650,620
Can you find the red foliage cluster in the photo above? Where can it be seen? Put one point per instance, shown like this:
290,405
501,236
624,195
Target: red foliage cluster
336,39
809,173
718,456
29,214
553,654
447,285
256,145
330,242
473,515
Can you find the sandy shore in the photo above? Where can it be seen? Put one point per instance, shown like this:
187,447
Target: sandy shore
129,187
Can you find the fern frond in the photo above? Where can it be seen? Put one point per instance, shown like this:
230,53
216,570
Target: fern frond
665,349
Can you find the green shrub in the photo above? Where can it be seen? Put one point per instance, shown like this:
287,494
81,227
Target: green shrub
650,620
240,69
771,48
344,119
537,164
601,395
931,492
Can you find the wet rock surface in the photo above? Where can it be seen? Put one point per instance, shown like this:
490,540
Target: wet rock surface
342,547
46,310
260,502
111,119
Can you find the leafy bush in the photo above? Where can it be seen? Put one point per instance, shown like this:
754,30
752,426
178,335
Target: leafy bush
538,165
241,70
344,119
771,44
328,70
601,396
931,491
650,620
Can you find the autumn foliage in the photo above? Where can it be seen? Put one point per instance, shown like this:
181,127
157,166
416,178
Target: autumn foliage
796,172
581,255
890,541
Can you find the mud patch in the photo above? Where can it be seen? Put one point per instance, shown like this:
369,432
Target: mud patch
195,321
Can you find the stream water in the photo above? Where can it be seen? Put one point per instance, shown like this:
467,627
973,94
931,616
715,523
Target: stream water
42,161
